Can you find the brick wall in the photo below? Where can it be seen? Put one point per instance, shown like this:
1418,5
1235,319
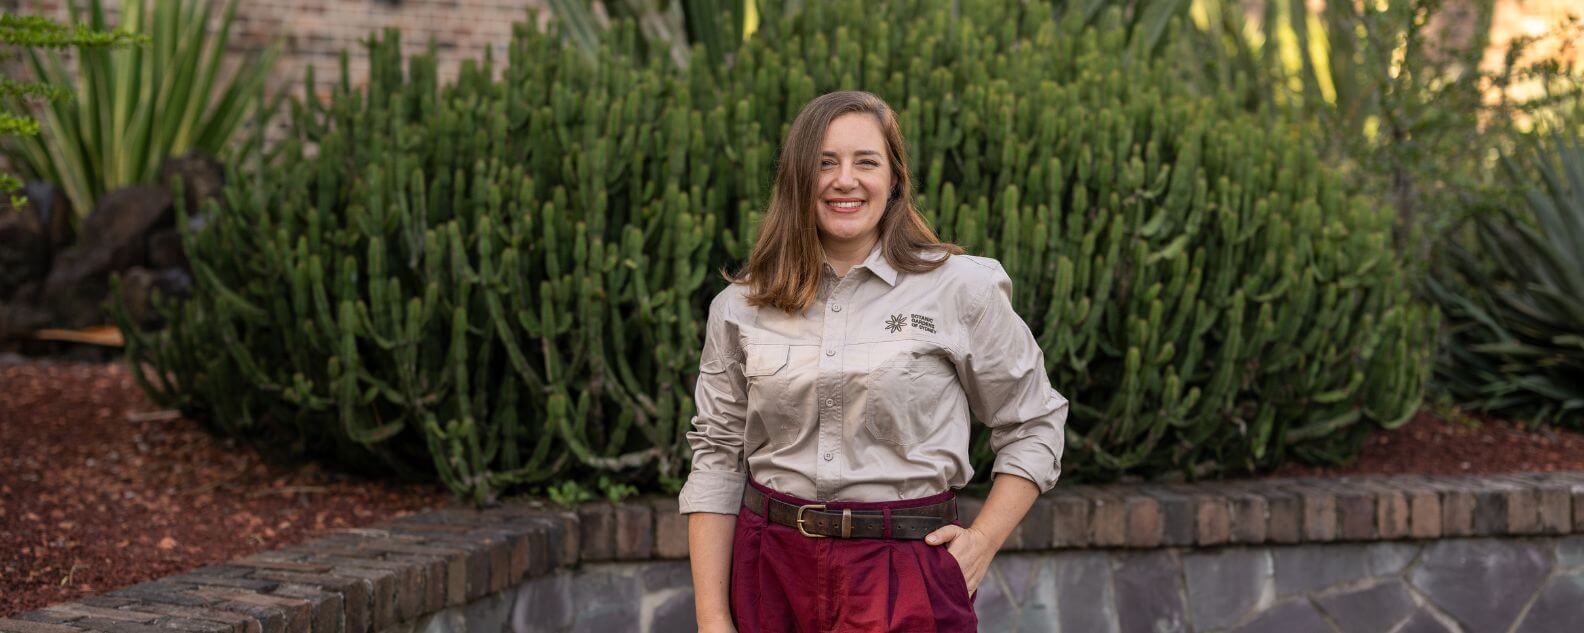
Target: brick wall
1461,554
313,32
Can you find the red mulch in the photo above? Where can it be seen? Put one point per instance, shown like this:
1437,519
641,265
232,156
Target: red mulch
91,501
1431,445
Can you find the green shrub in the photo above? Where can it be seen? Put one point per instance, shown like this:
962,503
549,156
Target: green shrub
1397,99
508,279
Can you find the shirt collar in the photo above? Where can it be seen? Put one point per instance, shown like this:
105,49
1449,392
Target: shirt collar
876,263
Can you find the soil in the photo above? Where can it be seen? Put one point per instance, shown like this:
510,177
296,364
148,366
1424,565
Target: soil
1457,444
98,490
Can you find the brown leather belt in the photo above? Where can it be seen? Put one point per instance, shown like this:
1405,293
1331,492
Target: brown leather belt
813,520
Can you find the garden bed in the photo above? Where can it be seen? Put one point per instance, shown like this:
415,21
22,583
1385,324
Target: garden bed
95,496
1430,444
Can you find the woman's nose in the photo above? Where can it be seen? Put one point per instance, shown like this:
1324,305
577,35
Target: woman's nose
844,177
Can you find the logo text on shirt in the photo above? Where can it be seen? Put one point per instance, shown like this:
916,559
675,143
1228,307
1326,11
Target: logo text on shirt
896,322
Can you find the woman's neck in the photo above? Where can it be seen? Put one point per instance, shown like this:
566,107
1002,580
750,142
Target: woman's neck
844,255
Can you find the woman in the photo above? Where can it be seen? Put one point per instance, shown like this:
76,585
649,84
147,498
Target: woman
834,390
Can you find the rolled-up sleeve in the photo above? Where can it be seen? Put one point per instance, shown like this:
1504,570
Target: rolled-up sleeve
1009,391
716,482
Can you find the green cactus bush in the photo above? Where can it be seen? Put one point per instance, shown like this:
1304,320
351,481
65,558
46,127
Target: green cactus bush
508,279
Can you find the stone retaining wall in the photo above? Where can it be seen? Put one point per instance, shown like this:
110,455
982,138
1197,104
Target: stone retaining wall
1409,553
1464,584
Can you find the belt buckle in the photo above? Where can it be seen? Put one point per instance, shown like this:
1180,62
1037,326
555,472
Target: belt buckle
811,506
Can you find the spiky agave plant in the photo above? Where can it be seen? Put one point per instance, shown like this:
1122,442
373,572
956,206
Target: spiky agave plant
1515,294
135,106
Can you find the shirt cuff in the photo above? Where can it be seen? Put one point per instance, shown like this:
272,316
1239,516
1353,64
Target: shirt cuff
715,491
1030,459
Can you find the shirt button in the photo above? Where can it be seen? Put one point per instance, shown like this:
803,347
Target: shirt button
830,352
836,308
829,457
830,402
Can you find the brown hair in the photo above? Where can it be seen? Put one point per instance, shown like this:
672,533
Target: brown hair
784,269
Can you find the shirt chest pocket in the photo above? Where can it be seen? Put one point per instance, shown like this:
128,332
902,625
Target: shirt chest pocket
765,369
764,360
908,398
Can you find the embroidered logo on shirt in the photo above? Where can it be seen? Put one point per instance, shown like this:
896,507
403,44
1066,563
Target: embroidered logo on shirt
895,323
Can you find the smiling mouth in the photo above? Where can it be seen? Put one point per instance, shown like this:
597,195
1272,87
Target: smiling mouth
845,206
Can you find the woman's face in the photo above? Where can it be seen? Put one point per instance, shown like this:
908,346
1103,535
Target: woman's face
854,181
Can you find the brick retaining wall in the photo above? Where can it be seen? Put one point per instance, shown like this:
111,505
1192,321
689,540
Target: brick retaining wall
408,570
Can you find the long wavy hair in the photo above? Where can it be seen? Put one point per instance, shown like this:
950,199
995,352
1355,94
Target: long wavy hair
784,269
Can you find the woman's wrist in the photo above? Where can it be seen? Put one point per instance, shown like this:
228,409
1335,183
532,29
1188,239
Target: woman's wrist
1010,498
712,617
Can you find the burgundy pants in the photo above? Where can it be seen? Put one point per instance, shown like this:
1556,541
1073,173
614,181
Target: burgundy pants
782,580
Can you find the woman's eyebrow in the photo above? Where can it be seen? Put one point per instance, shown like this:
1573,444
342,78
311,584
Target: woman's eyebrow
862,152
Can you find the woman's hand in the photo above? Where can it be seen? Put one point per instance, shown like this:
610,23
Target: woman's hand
1010,498
972,549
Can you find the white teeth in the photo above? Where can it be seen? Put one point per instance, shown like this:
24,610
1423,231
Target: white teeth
847,205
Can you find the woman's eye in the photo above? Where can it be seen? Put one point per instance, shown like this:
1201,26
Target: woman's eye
827,163
870,163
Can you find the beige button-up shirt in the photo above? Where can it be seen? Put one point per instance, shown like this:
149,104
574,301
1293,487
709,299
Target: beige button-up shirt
865,396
